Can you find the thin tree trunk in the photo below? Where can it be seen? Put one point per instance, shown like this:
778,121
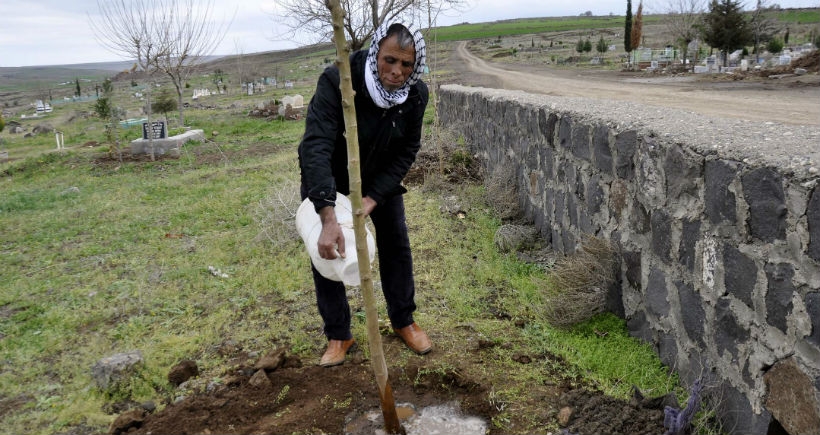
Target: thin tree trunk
388,404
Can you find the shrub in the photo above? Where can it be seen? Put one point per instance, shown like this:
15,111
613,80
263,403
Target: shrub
775,46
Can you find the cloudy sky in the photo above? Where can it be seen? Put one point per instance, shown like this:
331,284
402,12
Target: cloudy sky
56,32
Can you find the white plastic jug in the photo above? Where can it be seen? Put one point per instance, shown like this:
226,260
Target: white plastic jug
309,225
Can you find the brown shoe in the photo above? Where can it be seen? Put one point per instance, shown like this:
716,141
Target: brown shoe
415,338
336,351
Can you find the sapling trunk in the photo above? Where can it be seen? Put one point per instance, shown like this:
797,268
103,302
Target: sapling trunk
388,404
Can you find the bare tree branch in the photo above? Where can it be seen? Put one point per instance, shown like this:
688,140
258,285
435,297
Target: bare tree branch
311,18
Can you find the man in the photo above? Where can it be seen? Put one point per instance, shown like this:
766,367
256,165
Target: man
390,102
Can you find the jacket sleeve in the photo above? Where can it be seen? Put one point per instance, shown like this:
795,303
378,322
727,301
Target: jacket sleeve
387,182
322,127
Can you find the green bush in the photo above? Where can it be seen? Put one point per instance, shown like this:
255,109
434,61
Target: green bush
775,46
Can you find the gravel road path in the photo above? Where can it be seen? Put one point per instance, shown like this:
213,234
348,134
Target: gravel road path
759,123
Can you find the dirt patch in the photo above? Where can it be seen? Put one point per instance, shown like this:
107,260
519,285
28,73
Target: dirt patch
304,398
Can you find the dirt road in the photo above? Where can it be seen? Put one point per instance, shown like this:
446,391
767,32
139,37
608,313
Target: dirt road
792,100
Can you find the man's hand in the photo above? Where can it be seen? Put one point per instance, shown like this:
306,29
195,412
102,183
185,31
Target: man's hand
331,239
368,205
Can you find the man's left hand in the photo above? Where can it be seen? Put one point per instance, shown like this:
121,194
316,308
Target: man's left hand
368,205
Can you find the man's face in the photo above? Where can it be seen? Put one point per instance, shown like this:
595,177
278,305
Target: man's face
395,64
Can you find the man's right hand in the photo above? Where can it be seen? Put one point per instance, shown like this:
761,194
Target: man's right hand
331,239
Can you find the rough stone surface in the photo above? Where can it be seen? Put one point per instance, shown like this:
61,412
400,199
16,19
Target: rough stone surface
681,174
698,201
737,415
661,226
791,398
779,294
601,152
763,191
692,312
690,234
632,261
813,310
595,195
657,302
272,360
720,201
813,215
728,331
114,369
626,143
740,274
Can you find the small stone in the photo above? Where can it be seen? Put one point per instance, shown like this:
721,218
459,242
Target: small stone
149,406
114,369
183,371
259,379
272,361
564,415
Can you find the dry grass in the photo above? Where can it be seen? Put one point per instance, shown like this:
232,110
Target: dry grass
580,283
276,214
502,192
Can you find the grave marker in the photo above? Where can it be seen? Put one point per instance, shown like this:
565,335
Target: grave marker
157,130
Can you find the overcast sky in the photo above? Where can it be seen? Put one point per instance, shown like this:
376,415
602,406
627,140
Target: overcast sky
56,32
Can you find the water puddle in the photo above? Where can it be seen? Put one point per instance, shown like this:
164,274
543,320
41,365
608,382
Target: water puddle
432,420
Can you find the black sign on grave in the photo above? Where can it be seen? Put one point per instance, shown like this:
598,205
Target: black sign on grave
157,129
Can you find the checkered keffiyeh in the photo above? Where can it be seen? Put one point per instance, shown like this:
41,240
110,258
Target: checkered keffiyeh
381,96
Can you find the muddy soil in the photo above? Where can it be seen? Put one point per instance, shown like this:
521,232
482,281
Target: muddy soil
299,397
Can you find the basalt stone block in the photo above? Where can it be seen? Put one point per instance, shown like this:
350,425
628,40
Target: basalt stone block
557,241
546,124
638,327
690,234
549,202
813,215
681,174
601,152
565,132
585,223
740,274
728,332
632,261
581,142
661,224
720,202
595,194
737,415
639,218
547,155
791,398
763,191
813,310
569,242
668,350
560,207
657,295
572,210
626,143
779,293
691,311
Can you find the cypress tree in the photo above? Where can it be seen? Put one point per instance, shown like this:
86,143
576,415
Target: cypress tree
628,27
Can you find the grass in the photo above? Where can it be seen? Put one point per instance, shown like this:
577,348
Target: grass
98,260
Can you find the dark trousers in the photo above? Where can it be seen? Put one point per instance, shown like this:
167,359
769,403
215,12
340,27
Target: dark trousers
395,270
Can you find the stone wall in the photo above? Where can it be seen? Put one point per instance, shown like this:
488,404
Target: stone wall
717,223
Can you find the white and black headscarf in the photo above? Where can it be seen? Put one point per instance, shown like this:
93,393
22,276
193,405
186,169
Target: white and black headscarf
381,96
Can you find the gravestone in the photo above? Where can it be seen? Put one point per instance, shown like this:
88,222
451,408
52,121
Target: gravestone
157,130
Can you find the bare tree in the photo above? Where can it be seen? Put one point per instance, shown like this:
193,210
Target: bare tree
683,18
764,26
190,36
311,17
167,36
134,29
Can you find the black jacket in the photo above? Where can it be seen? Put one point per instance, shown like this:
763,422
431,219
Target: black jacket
388,139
